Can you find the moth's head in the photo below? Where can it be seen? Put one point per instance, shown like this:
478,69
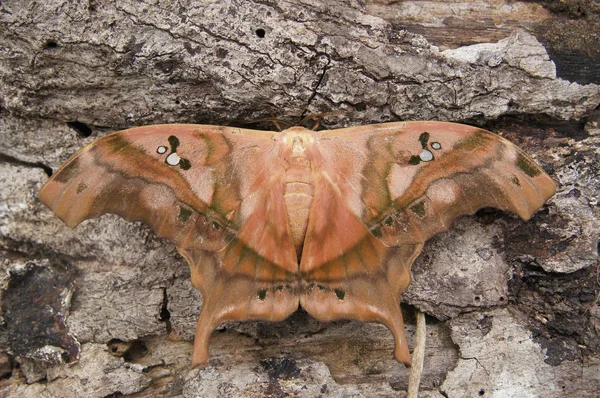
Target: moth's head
297,139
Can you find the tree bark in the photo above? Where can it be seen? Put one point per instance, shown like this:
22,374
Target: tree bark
108,309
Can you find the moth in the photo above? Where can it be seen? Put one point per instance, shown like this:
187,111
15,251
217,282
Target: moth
269,221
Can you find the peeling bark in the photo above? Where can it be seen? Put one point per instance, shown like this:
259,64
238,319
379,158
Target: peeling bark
108,308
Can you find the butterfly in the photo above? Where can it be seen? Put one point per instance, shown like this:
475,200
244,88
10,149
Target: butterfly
270,221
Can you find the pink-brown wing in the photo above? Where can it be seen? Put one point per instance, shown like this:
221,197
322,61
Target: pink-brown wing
216,192
381,191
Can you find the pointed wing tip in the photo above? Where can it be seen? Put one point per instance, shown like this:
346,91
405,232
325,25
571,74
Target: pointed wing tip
401,355
199,363
50,195
45,194
546,187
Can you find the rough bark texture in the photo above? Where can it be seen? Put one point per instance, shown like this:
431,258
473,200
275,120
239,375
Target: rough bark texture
108,309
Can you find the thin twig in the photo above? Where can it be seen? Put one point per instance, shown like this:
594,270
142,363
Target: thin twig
417,357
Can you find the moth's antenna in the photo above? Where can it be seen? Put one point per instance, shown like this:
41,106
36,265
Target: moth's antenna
318,118
276,122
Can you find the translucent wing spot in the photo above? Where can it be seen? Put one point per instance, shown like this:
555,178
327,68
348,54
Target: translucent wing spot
322,288
340,294
173,159
426,155
279,288
216,226
261,294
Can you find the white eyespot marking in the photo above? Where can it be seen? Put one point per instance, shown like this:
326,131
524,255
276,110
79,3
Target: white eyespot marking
436,145
161,149
173,159
426,156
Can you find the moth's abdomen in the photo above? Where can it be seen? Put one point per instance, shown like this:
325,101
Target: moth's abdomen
298,185
298,198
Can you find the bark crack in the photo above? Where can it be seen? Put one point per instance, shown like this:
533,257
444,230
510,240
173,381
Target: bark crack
165,314
35,165
317,85
478,362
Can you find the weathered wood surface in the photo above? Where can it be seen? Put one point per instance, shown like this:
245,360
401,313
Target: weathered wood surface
108,309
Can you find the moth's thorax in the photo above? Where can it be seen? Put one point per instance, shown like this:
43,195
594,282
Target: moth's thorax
297,144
